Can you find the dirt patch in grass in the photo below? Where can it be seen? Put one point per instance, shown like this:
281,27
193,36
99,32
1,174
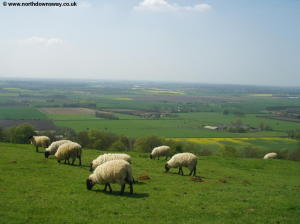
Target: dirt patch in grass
66,110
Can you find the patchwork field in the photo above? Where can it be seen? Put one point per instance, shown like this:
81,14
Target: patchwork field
38,190
185,125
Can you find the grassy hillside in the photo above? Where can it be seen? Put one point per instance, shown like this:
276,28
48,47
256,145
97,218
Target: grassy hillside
38,190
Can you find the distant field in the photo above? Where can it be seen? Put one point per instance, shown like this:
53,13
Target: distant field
21,112
262,143
185,125
66,110
37,190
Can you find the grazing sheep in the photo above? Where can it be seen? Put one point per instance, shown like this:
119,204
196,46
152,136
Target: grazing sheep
271,155
39,141
114,171
160,151
107,157
180,160
51,150
69,150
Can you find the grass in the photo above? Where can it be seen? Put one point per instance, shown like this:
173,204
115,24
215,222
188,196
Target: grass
21,112
38,190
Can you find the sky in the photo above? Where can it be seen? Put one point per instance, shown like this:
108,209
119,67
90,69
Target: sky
253,42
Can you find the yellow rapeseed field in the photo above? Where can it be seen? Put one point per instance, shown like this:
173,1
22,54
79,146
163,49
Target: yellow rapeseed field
261,94
240,141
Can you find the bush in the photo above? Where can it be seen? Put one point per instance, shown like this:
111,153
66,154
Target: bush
228,151
118,146
251,152
106,115
20,133
146,144
294,155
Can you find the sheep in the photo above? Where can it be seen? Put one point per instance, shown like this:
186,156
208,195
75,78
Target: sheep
160,151
180,160
113,171
271,155
107,157
51,150
39,141
69,150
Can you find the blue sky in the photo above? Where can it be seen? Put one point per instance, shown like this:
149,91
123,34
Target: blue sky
206,41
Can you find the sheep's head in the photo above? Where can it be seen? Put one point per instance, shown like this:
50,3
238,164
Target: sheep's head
47,154
89,184
151,156
166,167
30,139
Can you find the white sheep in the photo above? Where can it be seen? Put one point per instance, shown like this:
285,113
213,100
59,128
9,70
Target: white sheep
51,150
39,141
69,150
114,171
180,160
160,151
271,155
107,157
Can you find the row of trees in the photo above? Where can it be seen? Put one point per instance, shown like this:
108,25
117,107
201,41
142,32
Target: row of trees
111,142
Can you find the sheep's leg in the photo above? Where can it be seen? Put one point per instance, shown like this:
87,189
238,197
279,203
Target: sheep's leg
65,161
73,161
37,149
122,189
194,171
79,160
105,187
110,190
178,170
131,188
181,171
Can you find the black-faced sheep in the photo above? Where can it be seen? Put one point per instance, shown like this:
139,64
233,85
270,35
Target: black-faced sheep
51,150
114,171
180,160
39,141
107,157
69,150
160,151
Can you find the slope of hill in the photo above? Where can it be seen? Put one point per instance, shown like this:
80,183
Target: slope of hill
38,190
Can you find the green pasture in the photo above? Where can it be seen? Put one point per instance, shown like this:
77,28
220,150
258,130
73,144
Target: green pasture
21,112
38,190
185,125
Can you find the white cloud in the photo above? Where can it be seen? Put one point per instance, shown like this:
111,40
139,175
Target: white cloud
164,5
41,41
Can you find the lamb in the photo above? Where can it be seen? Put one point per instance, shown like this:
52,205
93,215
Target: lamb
180,160
107,157
160,151
69,150
271,155
51,150
113,171
39,141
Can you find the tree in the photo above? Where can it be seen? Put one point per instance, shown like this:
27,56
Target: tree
146,144
20,133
